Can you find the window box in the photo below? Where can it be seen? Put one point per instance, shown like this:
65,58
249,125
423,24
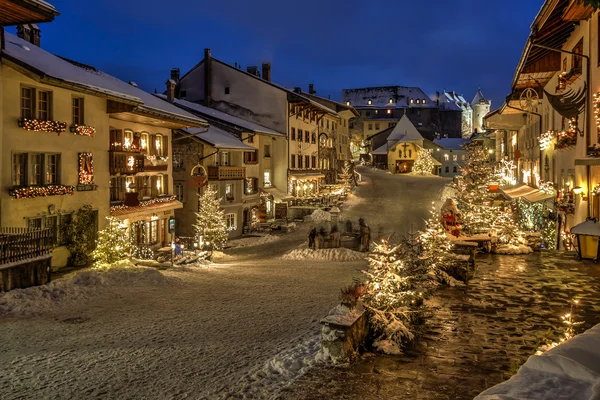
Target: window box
42,125
86,187
83,130
30,192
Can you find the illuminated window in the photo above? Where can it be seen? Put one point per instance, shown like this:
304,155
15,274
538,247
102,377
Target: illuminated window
391,101
230,221
144,141
369,102
423,101
347,103
446,157
418,101
389,111
412,101
229,191
454,157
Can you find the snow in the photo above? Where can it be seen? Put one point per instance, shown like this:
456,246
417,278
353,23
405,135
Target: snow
568,371
511,249
252,241
340,255
81,285
219,138
319,216
342,316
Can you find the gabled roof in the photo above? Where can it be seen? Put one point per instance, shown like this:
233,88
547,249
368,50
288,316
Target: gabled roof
338,105
54,70
380,97
291,94
405,131
479,98
218,138
383,150
451,143
212,114
387,131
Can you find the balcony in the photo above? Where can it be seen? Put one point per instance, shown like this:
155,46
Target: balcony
125,164
226,173
154,163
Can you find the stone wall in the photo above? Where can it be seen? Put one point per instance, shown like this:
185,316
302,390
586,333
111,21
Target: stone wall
24,274
343,333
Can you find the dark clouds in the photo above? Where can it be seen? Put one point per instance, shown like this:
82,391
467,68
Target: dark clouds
454,45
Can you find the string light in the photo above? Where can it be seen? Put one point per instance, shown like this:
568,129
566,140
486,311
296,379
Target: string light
86,169
546,140
83,130
31,192
42,126
146,203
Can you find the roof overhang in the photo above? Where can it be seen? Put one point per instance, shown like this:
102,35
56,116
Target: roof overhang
310,105
15,12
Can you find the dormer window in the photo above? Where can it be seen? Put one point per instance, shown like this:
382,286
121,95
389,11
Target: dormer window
347,103
369,102
412,101
423,101
391,101
418,101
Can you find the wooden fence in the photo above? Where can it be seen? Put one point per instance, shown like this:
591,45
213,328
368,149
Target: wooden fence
21,244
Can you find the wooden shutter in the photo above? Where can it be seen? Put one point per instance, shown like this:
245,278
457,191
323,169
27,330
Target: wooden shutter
152,145
165,144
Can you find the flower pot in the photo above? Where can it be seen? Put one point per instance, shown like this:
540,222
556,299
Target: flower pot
493,188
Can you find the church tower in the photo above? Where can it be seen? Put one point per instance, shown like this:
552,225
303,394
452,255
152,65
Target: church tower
481,107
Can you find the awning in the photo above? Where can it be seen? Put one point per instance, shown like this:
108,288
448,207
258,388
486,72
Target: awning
307,175
588,161
145,208
277,194
437,163
528,193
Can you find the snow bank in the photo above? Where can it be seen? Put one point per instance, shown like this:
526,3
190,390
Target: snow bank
341,255
568,371
78,286
511,249
252,241
319,216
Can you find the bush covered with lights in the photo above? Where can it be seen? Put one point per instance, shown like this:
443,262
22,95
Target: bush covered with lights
113,243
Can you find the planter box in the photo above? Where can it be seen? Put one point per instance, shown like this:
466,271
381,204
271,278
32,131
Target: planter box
343,333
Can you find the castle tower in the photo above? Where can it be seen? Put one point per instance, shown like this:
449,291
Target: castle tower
481,107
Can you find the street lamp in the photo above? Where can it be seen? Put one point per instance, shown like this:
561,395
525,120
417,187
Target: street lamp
172,251
195,248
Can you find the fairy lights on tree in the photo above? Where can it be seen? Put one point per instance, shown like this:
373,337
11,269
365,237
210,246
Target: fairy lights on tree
210,226
424,163
113,243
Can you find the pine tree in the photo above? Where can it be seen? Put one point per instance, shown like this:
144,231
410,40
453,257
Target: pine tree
507,230
388,298
210,223
424,163
347,176
113,243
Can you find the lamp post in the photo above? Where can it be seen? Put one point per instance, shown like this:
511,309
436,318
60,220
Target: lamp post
172,251
195,248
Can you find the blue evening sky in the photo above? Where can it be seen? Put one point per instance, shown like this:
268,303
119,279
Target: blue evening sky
454,45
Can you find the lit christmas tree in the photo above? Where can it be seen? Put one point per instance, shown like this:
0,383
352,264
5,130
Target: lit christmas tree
424,163
346,177
113,243
210,227
507,230
472,197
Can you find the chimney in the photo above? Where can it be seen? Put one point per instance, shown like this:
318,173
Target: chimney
311,88
253,70
207,78
171,90
35,35
437,98
266,71
175,74
297,90
24,32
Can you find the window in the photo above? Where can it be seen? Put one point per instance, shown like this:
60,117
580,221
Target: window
299,161
368,113
267,177
117,188
161,184
576,61
52,169
307,136
313,138
225,158
27,100
250,138
293,134
19,169
462,158
376,112
178,188
128,140
454,169
389,111
215,188
230,222
390,101
44,105
57,224
370,127
454,157
78,111
229,191
376,126
418,101
35,167
159,145
178,159
446,157
251,185
369,102
267,150
347,103
412,101
250,157
314,161
226,89
423,101
447,169
293,160
182,94
307,161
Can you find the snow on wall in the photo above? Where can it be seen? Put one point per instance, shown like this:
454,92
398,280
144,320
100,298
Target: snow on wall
341,255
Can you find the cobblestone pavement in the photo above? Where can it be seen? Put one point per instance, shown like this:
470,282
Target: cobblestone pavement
475,335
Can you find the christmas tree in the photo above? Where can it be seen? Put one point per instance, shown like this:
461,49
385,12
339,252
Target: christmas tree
471,187
113,243
388,298
506,229
347,176
424,163
210,226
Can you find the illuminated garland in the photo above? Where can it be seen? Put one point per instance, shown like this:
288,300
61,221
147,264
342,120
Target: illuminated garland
596,190
31,192
42,126
146,203
153,159
83,130
86,175
597,108
546,140
567,138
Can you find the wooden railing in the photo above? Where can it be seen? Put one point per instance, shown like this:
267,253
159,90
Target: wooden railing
120,163
226,173
18,244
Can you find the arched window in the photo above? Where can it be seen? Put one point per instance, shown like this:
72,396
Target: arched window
423,101
127,139
347,103
418,101
412,101
369,102
159,144
144,142
391,101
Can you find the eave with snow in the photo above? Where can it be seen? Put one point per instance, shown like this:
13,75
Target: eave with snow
15,12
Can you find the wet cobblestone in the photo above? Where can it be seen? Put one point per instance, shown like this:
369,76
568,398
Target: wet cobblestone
475,335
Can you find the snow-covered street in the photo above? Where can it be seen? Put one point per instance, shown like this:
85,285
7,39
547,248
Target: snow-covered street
242,328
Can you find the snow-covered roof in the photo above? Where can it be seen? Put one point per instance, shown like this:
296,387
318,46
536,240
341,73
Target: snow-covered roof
56,71
405,131
380,97
211,113
479,98
219,139
588,227
451,143
457,99
383,150
42,3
